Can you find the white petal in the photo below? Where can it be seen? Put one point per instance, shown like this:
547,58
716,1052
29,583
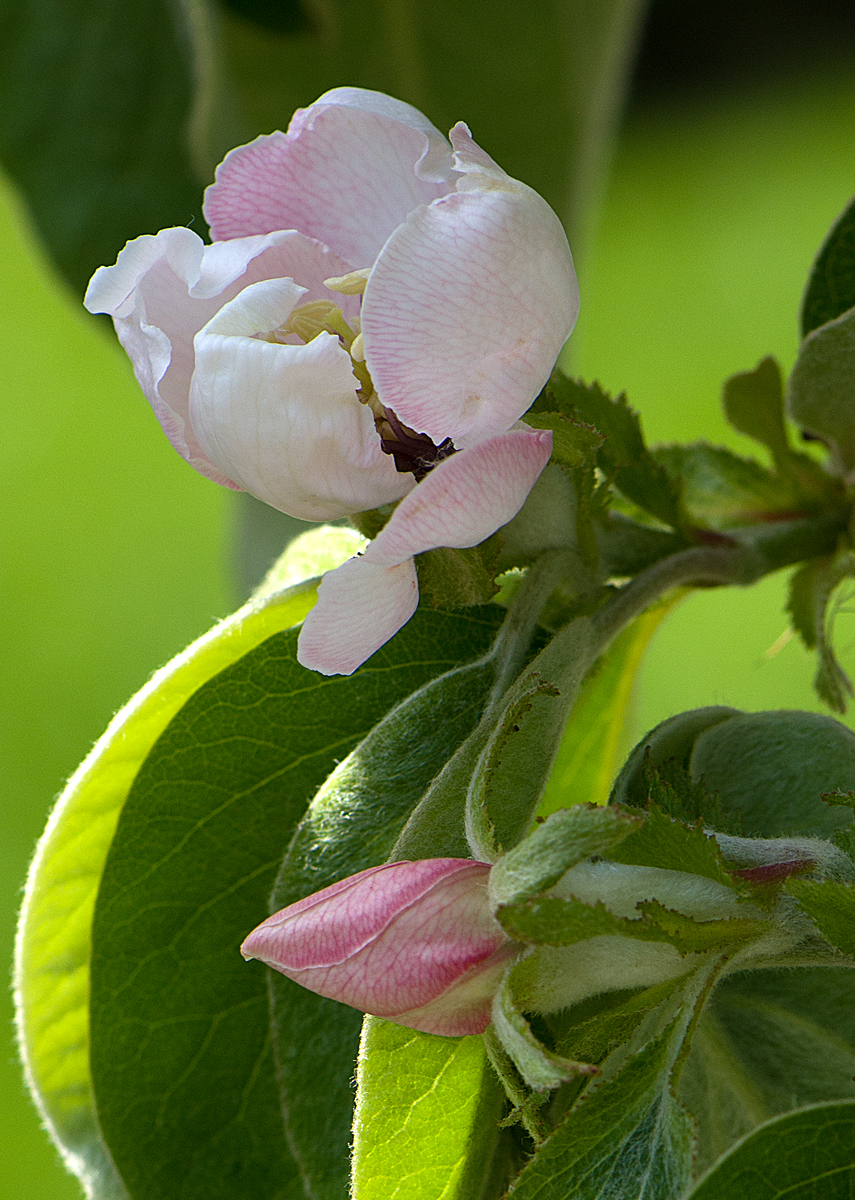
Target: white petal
163,289
349,170
465,498
284,421
469,305
360,606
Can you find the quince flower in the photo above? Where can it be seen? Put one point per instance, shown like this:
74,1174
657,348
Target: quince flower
378,304
414,942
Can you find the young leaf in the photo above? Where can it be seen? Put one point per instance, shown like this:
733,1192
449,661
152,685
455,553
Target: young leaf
573,443
831,286
754,404
724,491
820,391
451,578
352,824
808,1153
832,906
588,752
427,1115
539,1068
810,605
768,1041
625,1139
181,1063
54,936
664,842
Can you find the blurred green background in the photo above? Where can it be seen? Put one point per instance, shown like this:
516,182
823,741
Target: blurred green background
115,554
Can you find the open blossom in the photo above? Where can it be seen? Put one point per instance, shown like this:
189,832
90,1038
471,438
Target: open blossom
415,942
379,304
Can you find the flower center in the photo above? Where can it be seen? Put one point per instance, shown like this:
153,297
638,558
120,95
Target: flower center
412,452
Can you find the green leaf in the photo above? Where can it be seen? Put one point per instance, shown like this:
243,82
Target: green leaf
95,99
625,1139
54,942
352,824
805,1155
831,286
180,1042
665,842
451,578
587,756
772,768
565,838
616,1018
767,1042
573,443
427,1115
623,456
754,404
722,490
813,608
821,391
832,906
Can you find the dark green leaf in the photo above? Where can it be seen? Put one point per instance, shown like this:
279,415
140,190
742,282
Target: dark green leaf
350,825
831,286
181,1060
722,490
95,98
754,404
800,601
667,843
832,906
813,608
626,1139
615,1019
805,1155
427,1115
769,1041
772,768
565,838
821,389
572,442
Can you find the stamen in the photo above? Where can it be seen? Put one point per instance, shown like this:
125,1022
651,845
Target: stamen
318,316
413,452
352,284
357,350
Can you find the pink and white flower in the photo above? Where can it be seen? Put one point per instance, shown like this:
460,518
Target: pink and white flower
415,942
376,299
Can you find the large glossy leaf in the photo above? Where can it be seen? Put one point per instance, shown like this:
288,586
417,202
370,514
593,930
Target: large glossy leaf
181,1057
806,1155
427,1115
769,1041
52,967
352,824
95,100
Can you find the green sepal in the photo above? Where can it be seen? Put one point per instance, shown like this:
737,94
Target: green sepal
672,845
541,1069
831,286
573,442
592,1029
565,838
427,1115
450,578
623,457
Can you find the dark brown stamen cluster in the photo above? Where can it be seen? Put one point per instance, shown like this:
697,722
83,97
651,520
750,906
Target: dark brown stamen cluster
413,452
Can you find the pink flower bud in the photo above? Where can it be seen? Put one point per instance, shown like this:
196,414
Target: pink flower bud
414,942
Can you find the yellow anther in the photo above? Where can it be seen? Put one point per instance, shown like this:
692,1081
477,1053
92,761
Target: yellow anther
357,350
352,284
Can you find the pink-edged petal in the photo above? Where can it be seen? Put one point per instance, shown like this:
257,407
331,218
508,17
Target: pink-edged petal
415,942
469,304
346,173
465,498
163,289
360,606
285,421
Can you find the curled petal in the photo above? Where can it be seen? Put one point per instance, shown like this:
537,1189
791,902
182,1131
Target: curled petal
414,942
462,501
285,421
163,289
469,304
347,172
